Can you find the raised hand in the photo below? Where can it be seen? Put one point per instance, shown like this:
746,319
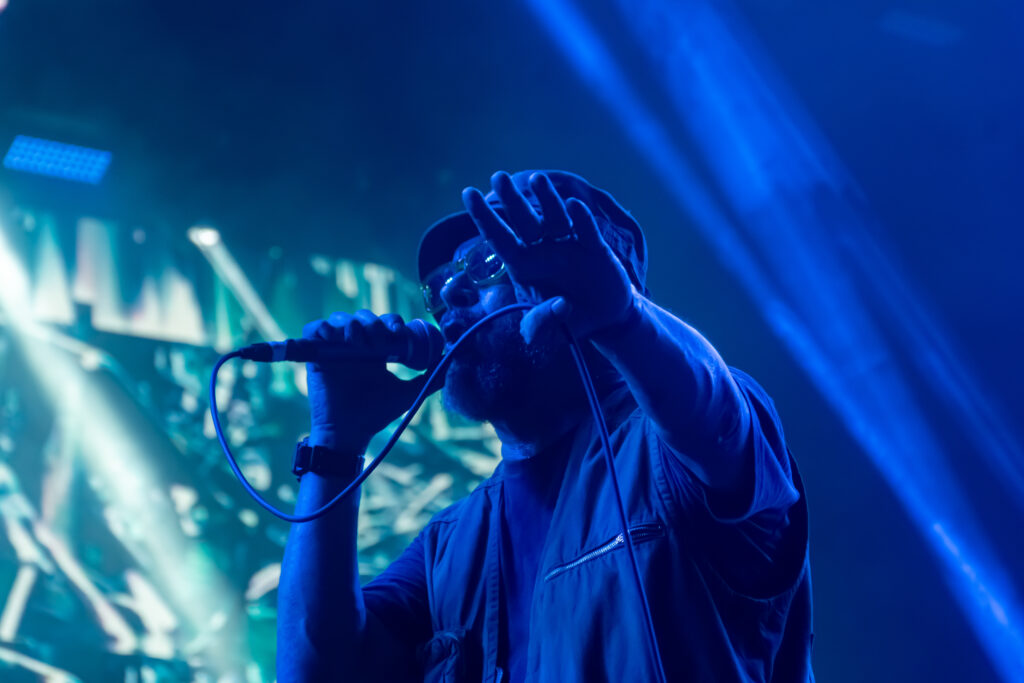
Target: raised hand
556,258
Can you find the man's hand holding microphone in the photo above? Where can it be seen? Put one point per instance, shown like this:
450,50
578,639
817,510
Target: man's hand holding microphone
352,395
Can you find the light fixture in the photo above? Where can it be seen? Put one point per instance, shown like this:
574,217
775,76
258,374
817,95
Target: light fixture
57,159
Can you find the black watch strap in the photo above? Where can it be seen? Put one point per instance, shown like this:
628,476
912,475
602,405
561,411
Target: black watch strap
324,461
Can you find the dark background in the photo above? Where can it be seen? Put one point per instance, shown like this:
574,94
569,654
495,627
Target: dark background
345,128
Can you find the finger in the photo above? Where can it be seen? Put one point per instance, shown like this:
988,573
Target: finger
374,330
393,321
490,225
335,325
556,220
352,332
583,223
310,328
523,220
331,328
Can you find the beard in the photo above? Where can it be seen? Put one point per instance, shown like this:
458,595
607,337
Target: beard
496,372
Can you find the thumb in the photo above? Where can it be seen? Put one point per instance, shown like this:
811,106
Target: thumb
542,321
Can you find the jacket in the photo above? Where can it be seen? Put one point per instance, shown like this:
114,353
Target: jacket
726,607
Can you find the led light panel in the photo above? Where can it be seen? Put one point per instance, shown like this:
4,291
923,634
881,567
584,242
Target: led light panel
57,159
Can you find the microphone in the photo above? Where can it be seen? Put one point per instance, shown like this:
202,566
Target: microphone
418,345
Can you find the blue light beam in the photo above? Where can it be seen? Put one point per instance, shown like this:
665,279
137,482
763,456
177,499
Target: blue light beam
798,216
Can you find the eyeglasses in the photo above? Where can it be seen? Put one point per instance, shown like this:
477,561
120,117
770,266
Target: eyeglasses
482,266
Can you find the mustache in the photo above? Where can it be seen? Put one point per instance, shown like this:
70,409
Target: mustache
458,322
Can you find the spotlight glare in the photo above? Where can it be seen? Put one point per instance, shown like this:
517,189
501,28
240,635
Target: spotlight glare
203,236
91,359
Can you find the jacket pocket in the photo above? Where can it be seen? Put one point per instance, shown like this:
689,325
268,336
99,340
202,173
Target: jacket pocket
444,658
639,533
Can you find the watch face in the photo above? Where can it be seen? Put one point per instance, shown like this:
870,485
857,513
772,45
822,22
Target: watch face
324,461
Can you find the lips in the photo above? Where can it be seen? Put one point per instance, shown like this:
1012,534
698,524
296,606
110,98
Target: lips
454,328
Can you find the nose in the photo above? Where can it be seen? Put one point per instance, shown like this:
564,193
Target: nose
459,292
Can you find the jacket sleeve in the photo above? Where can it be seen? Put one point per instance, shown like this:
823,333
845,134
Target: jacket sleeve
755,542
684,387
769,491
330,628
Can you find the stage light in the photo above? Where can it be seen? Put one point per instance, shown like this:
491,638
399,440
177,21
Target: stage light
57,159
208,241
203,236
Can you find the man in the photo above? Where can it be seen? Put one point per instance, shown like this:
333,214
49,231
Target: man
529,578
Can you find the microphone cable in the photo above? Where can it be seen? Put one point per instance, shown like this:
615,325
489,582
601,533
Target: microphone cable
595,408
441,367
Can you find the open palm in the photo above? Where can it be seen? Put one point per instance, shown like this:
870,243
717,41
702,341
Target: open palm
556,257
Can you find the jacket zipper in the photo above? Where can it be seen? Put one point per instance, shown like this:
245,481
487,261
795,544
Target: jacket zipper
639,533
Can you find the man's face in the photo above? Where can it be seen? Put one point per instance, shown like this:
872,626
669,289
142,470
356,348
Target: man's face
495,371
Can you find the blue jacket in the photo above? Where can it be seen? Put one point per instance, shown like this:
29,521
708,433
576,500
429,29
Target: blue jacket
730,596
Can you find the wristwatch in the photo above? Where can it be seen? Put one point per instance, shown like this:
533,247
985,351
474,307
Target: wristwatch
324,461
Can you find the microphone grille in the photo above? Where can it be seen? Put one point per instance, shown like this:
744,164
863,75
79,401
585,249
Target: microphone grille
425,344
